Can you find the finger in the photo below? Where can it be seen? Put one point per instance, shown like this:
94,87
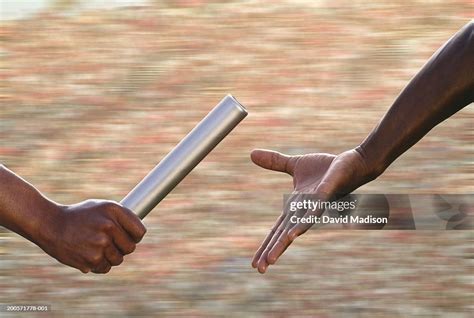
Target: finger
123,241
266,241
94,258
98,264
130,223
283,240
280,246
273,160
301,228
77,261
263,261
113,256
103,269
80,265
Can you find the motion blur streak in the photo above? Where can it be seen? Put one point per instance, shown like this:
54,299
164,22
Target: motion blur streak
92,95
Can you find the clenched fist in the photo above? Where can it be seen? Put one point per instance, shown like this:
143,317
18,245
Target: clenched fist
93,235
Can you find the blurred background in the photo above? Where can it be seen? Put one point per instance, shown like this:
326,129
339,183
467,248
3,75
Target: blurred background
95,93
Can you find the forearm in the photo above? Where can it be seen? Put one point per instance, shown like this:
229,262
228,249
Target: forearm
443,86
23,209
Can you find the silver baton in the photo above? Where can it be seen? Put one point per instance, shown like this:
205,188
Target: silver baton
185,156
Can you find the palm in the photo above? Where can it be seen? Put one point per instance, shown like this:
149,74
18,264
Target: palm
325,176
309,170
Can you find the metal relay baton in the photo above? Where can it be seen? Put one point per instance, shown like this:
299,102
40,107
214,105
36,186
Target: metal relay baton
185,156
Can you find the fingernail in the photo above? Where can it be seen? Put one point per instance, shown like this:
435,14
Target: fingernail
271,259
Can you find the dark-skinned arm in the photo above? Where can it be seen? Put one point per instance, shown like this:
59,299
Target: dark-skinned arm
93,235
443,86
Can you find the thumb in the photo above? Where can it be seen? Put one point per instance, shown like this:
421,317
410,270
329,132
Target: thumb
273,160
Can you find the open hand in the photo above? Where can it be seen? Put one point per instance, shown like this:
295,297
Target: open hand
93,235
319,175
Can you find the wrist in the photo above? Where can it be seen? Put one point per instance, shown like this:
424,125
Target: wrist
375,165
47,229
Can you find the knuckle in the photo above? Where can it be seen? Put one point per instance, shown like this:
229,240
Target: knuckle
141,233
130,248
107,225
111,206
273,159
292,236
100,271
103,241
95,259
84,269
118,260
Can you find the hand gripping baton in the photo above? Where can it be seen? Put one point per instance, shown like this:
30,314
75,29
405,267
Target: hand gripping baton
185,156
